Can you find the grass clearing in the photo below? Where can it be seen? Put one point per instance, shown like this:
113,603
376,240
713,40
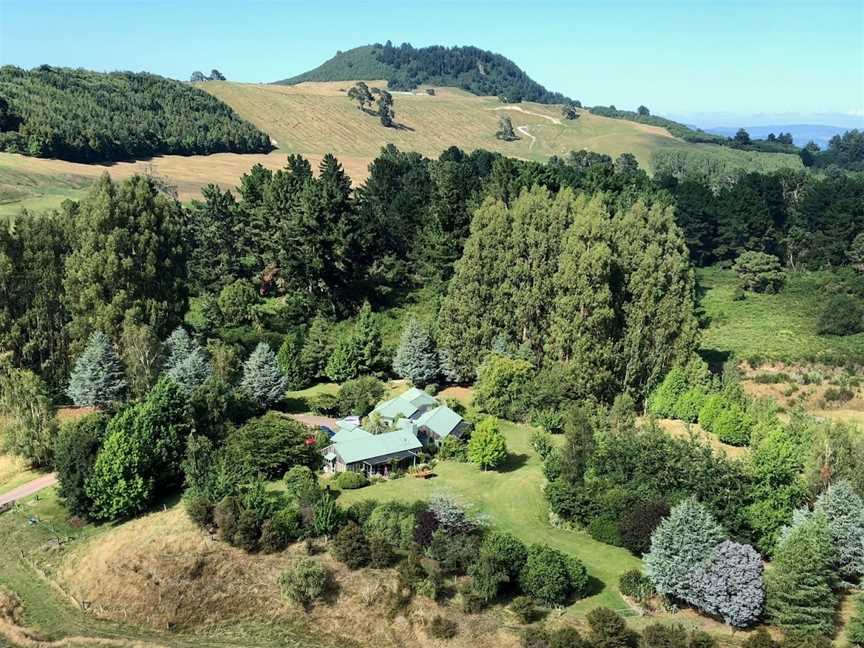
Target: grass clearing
313,118
513,499
779,327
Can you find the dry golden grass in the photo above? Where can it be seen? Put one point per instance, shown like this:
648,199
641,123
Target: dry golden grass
163,572
679,429
314,118
188,174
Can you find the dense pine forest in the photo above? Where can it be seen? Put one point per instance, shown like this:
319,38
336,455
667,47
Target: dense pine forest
84,116
405,67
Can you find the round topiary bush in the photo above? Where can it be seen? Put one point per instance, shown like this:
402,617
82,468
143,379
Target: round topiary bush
351,547
733,425
552,577
635,584
349,480
305,583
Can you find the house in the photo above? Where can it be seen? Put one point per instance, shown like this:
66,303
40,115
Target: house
360,451
415,419
419,413
409,404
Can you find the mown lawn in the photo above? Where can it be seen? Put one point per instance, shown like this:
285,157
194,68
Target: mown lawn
773,327
513,500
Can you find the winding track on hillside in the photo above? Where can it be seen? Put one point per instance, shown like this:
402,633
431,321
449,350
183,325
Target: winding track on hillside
528,112
524,131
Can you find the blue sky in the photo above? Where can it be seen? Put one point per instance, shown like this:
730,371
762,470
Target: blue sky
681,57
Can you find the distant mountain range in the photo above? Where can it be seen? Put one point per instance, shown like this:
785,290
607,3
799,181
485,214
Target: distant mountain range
801,133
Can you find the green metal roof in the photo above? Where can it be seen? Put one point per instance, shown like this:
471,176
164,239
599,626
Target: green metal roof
395,407
418,398
376,445
442,420
406,404
349,435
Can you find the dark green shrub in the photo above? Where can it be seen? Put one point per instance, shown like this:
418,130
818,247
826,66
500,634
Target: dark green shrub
324,403
357,397
442,628
305,583
700,639
453,449
360,511
470,602
271,444
658,635
534,637
608,629
75,448
760,639
198,508
551,576
381,554
288,522
842,315
392,522
301,484
838,395
247,532
635,584
798,640
524,609
507,550
349,480
272,540
351,547
605,529
454,551
236,303
566,637
759,272
410,572
226,514
638,523
487,577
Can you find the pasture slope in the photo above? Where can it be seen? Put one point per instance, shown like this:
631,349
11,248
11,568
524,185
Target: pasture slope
313,119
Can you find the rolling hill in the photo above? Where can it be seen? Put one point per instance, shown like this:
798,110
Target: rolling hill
477,71
314,118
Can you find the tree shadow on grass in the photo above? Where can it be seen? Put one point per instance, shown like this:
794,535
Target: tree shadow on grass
594,587
714,358
513,462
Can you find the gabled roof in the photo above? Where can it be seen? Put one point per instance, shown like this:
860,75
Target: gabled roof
376,445
418,398
406,404
442,420
349,434
394,408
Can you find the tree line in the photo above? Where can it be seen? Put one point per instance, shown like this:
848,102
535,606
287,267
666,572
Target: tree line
478,71
84,116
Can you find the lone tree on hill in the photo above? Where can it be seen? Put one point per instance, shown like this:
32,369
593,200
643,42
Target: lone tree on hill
360,93
643,111
742,137
385,107
97,378
568,111
505,129
197,77
216,75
